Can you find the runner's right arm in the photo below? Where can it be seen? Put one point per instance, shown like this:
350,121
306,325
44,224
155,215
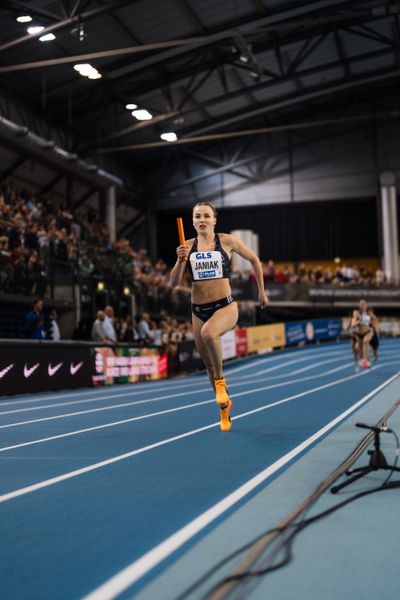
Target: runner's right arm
178,270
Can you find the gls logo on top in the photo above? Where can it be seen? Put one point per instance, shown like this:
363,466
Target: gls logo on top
203,255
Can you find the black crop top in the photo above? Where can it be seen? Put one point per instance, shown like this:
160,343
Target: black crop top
213,264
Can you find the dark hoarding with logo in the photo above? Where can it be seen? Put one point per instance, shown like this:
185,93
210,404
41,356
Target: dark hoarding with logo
37,367
28,367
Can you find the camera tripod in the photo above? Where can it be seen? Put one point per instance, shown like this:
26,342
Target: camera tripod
377,459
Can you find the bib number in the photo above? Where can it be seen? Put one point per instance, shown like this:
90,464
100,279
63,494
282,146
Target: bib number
206,265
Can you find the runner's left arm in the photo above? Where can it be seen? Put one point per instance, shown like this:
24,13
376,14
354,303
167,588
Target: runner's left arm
245,252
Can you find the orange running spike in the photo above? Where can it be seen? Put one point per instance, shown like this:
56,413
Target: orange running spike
226,423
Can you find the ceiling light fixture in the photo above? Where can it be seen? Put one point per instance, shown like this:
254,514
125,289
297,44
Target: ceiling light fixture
47,38
35,29
24,19
142,115
86,70
131,106
169,137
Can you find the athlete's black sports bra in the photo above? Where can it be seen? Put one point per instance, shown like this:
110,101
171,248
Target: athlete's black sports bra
213,264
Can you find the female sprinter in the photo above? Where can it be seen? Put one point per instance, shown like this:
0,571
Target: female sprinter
214,312
361,334
374,343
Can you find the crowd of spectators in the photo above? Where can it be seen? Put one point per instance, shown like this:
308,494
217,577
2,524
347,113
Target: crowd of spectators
38,237
343,275
165,332
33,232
142,330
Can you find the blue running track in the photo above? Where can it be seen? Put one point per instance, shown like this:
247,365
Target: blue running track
102,489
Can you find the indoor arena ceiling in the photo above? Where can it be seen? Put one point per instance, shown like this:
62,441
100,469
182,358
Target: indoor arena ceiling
209,71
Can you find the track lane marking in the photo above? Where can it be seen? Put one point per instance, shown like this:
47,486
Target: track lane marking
169,389
124,421
140,567
147,389
151,400
290,382
150,387
117,387
77,472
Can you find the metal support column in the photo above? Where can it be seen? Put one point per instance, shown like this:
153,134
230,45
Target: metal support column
389,226
111,211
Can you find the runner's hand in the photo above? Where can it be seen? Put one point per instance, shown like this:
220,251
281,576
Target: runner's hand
263,299
182,252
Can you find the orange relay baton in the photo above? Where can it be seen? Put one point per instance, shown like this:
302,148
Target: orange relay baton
181,232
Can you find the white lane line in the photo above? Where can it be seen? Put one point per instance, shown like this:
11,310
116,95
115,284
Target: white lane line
137,569
130,420
125,394
152,386
120,390
148,386
339,355
316,365
287,363
125,404
125,390
95,410
271,358
128,392
48,482
140,393
135,393
158,398
113,424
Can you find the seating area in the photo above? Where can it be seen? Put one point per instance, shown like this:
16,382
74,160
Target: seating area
41,242
357,272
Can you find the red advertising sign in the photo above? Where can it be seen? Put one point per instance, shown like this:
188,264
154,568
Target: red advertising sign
241,341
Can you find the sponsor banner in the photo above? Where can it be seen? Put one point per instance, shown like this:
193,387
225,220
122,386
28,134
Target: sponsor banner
330,293
263,337
324,329
300,332
39,367
127,364
189,358
228,342
389,327
241,342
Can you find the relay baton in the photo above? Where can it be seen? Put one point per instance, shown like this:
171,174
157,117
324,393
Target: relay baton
181,233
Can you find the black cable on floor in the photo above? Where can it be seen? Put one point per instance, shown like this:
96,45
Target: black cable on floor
290,525
287,547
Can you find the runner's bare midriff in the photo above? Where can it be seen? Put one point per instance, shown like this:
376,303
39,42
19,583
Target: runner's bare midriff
361,329
214,289
209,291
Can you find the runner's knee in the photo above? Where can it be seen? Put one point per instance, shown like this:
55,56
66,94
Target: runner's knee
207,334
